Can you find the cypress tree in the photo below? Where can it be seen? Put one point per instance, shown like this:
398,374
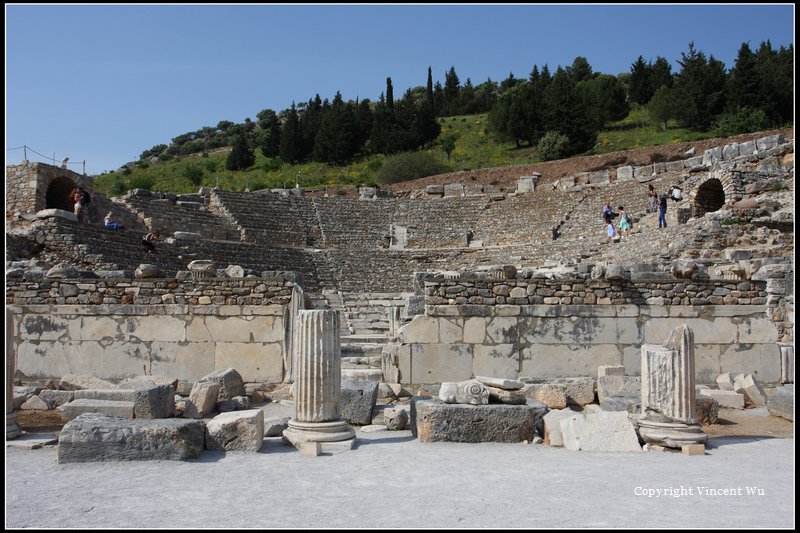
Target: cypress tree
291,137
389,95
639,82
241,156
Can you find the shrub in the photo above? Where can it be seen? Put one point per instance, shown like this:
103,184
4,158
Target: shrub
142,181
194,174
743,120
553,145
409,166
271,164
118,187
657,157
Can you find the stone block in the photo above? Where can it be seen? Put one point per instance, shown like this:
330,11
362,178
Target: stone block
436,363
436,421
724,381
629,404
500,383
610,370
94,437
395,418
230,383
781,403
693,449
77,382
357,401
236,431
553,396
513,397
600,432
34,403
753,392
78,407
552,427
625,173
706,410
618,386
579,390
202,399
729,399
56,398
149,401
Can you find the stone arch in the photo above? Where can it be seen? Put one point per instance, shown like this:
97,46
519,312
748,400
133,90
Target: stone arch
57,195
712,193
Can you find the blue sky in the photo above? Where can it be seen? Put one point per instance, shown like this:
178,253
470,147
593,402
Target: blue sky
104,83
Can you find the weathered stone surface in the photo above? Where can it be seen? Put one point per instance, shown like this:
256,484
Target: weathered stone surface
726,398
56,398
579,390
706,410
618,386
36,419
395,418
146,270
94,437
629,404
600,432
274,426
552,426
241,403
512,397
436,421
753,392
152,380
781,403
500,383
230,383
78,407
552,395
236,431
471,392
34,403
610,370
78,382
357,401
724,381
149,401
202,400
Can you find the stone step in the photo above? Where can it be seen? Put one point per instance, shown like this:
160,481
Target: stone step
361,363
364,338
365,349
372,374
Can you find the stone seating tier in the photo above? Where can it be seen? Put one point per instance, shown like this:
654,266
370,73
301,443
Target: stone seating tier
168,217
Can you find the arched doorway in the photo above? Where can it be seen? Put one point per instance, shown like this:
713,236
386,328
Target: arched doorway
710,197
57,196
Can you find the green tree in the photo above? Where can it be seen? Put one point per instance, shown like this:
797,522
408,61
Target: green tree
605,99
241,156
580,69
698,89
389,95
564,112
291,137
639,82
448,143
660,106
452,90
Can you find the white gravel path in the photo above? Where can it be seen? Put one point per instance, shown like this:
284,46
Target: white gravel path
393,480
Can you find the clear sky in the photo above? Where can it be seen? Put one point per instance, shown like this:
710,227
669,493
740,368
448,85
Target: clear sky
104,83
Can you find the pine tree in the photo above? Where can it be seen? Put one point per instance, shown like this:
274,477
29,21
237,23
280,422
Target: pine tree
271,139
452,89
565,113
241,156
639,82
291,137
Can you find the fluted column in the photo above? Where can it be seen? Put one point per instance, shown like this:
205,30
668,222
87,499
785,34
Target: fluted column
12,429
787,361
317,387
668,395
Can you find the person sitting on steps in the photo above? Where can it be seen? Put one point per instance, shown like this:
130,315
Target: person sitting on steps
149,241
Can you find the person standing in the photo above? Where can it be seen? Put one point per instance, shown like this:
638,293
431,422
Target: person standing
662,211
612,233
149,241
652,198
624,222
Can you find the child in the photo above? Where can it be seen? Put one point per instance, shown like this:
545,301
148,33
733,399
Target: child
611,231
624,222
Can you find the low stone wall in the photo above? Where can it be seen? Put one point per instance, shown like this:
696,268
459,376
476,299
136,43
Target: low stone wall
113,329
458,342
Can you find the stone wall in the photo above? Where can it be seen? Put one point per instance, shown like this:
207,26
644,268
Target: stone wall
28,184
455,343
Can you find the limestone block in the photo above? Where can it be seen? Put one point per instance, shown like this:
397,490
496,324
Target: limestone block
149,401
436,363
781,403
202,400
274,426
186,236
724,381
395,418
152,380
562,360
615,272
579,390
146,270
553,396
475,330
552,426
610,370
253,360
725,398
513,397
706,410
625,173
435,421
77,382
421,329
470,392
94,437
454,189
78,407
753,392
618,386
500,383
230,383
236,431
56,213
56,398
730,151
357,401
600,432
34,403
495,360
629,404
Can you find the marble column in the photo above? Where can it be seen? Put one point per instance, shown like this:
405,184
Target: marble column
12,429
668,394
317,387
787,361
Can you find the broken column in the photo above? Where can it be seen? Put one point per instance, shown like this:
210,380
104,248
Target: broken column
12,429
317,389
668,394
787,361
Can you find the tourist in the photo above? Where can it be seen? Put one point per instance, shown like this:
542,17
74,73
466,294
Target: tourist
624,222
608,211
77,200
85,199
149,241
652,198
676,193
612,233
662,211
109,222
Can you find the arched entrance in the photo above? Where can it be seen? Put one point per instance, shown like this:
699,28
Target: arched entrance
710,197
57,196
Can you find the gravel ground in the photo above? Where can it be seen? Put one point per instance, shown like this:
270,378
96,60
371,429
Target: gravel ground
393,480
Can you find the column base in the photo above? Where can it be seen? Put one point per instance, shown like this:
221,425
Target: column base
12,428
331,436
671,434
